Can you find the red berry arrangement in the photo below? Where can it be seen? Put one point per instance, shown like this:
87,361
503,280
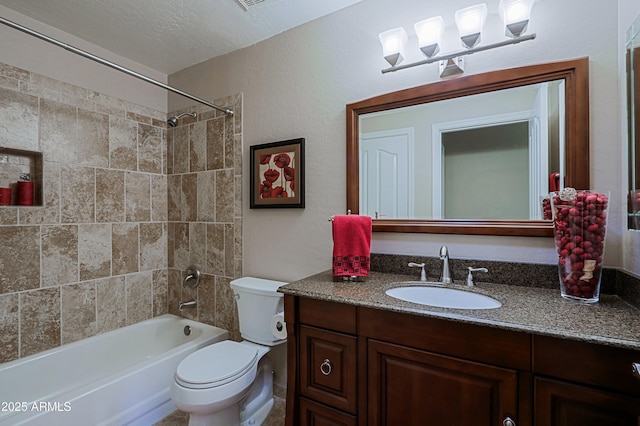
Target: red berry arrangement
580,219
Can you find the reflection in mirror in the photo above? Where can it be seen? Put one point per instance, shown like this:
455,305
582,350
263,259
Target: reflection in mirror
633,114
419,161
484,156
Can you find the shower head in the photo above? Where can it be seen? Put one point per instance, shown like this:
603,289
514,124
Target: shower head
173,121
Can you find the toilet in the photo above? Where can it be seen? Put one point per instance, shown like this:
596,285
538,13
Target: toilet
231,383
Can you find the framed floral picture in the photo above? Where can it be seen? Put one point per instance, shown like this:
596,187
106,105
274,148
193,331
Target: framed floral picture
277,175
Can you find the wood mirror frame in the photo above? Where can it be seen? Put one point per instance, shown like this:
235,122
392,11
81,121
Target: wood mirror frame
574,72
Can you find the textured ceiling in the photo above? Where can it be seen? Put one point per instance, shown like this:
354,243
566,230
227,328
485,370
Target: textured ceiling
170,35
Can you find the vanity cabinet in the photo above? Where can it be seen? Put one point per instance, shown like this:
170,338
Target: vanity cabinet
351,365
584,384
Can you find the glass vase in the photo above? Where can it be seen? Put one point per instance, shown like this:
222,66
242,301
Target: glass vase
580,224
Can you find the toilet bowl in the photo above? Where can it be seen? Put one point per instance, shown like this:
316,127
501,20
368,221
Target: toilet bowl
231,383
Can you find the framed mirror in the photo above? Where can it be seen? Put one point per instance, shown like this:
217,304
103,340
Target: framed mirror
633,116
452,170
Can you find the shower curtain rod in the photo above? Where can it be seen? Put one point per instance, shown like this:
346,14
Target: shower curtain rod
111,64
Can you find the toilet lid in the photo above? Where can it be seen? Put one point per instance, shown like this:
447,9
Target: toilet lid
216,364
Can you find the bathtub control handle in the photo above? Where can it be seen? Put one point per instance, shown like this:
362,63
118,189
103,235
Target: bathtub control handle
193,277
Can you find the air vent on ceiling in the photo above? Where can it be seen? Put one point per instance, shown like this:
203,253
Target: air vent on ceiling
246,4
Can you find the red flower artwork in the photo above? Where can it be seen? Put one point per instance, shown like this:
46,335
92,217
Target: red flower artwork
264,159
272,176
279,192
282,160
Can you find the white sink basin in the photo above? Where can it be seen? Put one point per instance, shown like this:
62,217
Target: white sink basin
444,297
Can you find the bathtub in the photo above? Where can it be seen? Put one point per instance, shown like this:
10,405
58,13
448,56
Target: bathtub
121,377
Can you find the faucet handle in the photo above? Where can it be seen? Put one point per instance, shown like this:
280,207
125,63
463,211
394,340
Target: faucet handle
423,274
470,276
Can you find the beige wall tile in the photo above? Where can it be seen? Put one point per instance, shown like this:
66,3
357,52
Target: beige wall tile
229,144
174,290
39,320
149,149
21,110
198,147
139,288
190,197
229,249
9,327
58,131
174,191
169,167
215,249
226,312
124,248
181,149
215,144
171,232
59,255
19,258
94,251
93,139
137,197
160,292
207,299
78,314
109,195
123,144
77,194
8,215
206,196
159,198
153,253
111,301
237,154
225,197
198,244
181,256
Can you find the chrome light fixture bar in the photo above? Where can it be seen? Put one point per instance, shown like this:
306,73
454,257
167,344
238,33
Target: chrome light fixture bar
460,53
111,64
470,22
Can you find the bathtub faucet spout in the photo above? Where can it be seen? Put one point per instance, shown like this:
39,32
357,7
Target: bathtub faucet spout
190,304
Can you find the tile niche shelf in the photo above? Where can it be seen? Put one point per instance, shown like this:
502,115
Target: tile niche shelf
16,165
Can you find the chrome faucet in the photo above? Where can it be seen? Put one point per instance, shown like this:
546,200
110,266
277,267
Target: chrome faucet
445,277
190,304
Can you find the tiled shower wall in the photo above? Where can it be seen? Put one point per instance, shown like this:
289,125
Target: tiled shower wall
102,250
205,212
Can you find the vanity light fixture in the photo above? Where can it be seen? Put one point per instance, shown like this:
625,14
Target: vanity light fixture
469,21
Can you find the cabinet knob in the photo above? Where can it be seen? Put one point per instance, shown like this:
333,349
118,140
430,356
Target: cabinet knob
635,369
325,367
508,422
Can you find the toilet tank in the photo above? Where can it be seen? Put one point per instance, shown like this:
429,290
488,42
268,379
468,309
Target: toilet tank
258,301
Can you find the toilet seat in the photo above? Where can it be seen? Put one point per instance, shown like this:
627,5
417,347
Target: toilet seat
216,365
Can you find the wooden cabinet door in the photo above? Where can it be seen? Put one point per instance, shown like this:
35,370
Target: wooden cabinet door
563,404
328,368
412,387
314,414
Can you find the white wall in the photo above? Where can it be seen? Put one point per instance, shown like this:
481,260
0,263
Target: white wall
27,52
628,11
298,83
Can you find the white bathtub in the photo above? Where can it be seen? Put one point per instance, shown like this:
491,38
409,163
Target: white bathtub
121,377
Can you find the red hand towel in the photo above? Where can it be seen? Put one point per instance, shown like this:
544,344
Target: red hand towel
351,245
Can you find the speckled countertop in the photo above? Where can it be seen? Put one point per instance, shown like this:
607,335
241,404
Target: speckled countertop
611,321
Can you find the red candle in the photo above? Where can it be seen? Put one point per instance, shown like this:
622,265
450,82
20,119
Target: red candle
5,196
25,193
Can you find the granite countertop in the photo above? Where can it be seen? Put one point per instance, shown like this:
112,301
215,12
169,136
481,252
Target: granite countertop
612,321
